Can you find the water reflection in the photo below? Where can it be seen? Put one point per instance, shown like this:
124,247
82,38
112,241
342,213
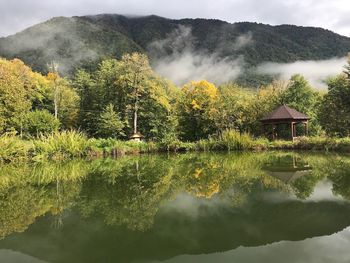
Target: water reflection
331,249
158,207
287,168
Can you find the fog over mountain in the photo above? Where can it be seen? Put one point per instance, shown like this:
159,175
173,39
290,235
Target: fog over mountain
183,50
17,15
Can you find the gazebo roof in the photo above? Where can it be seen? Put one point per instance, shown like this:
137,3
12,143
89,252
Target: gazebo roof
136,136
285,113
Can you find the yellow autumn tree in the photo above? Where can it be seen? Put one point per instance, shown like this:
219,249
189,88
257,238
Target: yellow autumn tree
20,88
197,110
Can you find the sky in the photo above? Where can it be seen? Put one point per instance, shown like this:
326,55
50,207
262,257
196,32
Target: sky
16,15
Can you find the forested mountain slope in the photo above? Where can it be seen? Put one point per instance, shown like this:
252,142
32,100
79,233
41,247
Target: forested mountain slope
82,41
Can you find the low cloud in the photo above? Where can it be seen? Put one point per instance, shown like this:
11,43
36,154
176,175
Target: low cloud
243,41
19,14
316,72
176,59
60,42
189,66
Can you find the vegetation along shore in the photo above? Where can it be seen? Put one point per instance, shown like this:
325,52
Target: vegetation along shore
94,112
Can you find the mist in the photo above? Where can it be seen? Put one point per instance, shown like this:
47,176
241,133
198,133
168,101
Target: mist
184,63
58,41
176,58
316,72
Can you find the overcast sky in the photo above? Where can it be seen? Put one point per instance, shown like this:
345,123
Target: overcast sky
16,15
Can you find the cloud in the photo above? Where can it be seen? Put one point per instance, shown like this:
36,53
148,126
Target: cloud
176,59
50,38
316,72
243,40
332,248
19,14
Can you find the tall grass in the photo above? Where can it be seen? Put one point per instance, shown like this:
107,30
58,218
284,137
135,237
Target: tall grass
14,149
61,145
112,147
233,140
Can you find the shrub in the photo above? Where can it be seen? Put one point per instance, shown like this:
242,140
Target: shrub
110,124
39,122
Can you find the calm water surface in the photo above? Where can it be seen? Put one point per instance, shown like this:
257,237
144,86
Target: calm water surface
247,207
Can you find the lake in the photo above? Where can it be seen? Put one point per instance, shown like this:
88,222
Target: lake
208,207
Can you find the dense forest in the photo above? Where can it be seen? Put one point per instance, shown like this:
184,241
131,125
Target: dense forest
125,96
86,41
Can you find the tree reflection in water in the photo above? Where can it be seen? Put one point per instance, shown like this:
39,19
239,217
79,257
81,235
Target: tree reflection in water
196,202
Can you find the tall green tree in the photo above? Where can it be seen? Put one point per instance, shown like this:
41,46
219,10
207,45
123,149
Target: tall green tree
141,98
302,97
234,108
64,100
335,108
89,103
135,76
299,94
265,100
110,124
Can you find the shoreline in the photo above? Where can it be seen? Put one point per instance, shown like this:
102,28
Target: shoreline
70,145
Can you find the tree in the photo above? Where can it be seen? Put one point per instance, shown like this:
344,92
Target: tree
335,108
19,88
53,77
135,74
299,94
347,69
141,98
197,110
233,106
89,103
302,97
265,100
65,100
110,124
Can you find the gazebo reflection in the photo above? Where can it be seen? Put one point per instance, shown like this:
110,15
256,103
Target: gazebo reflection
287,168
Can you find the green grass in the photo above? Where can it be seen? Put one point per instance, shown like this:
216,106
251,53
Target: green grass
112,147
317,143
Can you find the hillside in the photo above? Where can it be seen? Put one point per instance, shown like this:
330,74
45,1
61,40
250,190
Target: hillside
81,41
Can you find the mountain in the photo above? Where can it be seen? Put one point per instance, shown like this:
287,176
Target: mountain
82,41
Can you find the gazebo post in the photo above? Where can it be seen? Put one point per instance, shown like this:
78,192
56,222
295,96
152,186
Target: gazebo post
292,129
264,129
306,128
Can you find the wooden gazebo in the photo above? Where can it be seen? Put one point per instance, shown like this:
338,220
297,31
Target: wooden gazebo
284,115
136,137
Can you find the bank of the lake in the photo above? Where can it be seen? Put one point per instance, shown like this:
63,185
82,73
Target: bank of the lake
71,144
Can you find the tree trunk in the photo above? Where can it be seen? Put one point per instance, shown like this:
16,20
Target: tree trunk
135,118
54,69
55,101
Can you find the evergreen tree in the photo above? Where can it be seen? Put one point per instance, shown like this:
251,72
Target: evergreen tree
110,124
